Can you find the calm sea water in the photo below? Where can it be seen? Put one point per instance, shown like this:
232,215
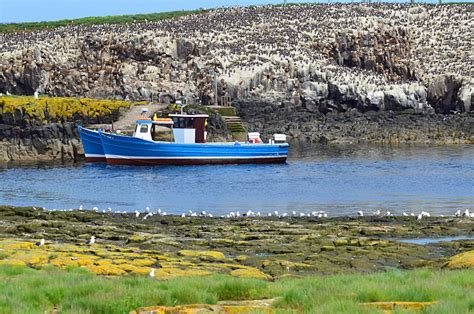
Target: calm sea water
338,179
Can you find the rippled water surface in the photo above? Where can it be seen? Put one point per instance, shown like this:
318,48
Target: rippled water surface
337,179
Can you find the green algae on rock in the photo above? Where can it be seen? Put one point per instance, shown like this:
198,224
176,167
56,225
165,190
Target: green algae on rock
263,247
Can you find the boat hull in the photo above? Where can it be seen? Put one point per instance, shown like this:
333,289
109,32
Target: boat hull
125,150
93,150
121,160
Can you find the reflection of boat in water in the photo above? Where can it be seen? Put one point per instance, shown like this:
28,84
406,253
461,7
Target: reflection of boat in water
186,145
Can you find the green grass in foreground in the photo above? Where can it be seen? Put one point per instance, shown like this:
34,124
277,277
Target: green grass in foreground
25,290
117,19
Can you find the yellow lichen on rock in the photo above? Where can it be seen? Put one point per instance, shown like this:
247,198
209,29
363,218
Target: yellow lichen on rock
177,272
105,270
398,305
202,254
228,307
18,245
111,261
134,269
249,272
142,262
463,260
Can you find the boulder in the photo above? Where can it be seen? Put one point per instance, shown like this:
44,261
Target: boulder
442,93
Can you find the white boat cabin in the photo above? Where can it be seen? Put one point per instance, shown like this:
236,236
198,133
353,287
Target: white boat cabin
185,129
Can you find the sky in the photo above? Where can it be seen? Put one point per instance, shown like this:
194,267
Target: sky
49,10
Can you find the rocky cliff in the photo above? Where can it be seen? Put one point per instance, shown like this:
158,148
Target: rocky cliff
365,56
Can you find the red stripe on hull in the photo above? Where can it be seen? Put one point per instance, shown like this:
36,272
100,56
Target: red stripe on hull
182,162
96,159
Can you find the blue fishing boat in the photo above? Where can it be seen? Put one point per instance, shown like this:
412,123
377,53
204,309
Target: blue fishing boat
187,145
92,145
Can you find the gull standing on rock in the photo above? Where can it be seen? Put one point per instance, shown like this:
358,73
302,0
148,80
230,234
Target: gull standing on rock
40,243
91,240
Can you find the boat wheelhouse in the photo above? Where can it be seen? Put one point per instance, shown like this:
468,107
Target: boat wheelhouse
181,139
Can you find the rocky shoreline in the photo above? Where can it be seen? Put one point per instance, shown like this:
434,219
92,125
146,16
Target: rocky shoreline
55,141
306,122
61,142
248,246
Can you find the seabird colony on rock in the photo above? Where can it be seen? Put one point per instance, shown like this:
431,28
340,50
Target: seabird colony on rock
253,51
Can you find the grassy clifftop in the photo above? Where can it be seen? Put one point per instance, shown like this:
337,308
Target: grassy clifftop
95,20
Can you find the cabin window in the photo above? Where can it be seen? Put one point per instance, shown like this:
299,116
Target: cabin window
144,128
190,123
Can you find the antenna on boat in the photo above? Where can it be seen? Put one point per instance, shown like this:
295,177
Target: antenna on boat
182,107
180,103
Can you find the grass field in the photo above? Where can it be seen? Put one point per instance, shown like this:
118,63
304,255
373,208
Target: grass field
117,19
26,290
